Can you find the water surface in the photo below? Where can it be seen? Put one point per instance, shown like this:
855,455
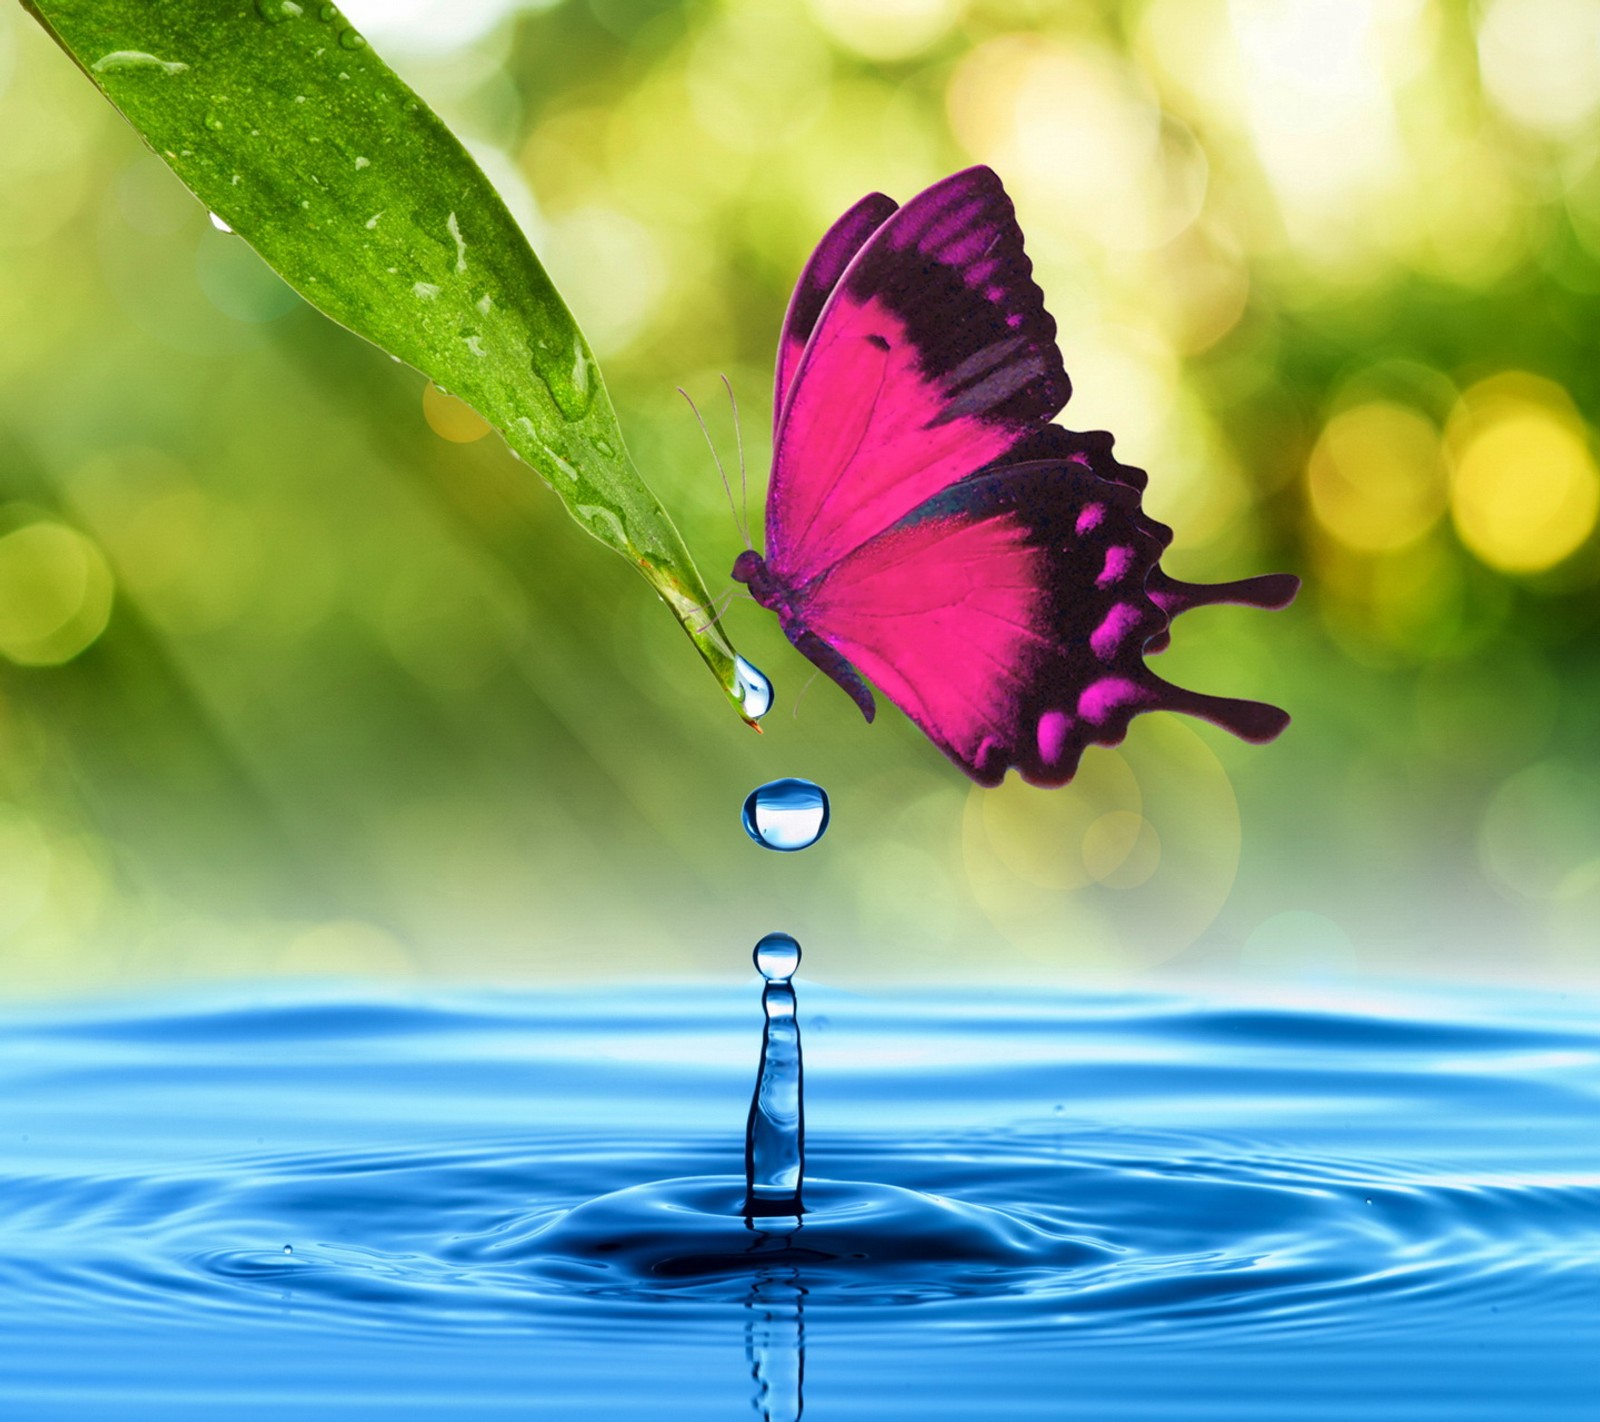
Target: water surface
1088,1207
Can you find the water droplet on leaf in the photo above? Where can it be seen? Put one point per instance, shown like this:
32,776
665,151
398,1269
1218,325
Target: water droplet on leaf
137,59
755,691
786,814
350,39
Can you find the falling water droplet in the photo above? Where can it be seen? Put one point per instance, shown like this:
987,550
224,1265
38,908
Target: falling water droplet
220,225
777,956
755,691
288,1249
786,814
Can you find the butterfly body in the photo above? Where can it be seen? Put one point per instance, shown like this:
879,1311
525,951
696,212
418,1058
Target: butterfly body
928,526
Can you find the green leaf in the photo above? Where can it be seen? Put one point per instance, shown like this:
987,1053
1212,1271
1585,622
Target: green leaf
282,120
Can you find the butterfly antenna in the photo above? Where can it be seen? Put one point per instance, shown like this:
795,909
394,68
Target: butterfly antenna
744,483
810,682
723,473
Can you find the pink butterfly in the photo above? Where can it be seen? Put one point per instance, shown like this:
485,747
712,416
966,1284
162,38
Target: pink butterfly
928,526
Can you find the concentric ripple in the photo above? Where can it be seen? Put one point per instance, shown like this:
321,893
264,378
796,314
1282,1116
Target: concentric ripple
1090,1168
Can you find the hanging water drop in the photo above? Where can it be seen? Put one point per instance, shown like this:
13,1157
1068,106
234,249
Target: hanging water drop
776,957
755,691
786,815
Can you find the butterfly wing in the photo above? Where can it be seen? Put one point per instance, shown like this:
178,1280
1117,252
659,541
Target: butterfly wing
834,252
1008,615
931,357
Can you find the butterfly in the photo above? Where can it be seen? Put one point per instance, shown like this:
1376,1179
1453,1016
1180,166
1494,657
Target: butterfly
931,530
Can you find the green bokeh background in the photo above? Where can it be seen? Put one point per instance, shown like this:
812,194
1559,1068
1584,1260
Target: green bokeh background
298,676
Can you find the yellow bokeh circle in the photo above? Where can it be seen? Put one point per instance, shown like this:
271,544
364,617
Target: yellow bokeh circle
1377,477
450,418
1525,490
55,594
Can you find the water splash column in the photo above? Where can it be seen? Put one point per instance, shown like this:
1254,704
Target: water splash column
775,1133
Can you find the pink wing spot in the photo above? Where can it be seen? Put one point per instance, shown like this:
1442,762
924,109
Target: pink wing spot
1090,519
1109,636
995,293
1102,699
1119,558
1053,729
1015,319
989,749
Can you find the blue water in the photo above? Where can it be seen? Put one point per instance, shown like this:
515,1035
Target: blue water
1083,1207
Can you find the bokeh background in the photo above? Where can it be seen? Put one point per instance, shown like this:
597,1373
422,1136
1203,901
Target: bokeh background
302,674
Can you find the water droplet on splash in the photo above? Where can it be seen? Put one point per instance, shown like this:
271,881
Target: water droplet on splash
755,691
288,1249
777,956
786,814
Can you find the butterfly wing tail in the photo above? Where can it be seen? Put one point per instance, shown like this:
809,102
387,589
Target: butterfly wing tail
1270,590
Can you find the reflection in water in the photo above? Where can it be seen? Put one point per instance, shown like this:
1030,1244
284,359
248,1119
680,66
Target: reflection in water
775,1336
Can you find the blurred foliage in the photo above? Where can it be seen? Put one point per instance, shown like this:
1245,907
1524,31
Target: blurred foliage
299,677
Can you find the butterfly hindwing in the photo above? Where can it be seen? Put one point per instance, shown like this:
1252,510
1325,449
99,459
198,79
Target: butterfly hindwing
932,357
1008,617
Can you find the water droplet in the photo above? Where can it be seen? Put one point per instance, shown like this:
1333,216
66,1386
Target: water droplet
136,59
571,390
453,227
327,13
214,122
350,39
424,290
755,691
288,1249
363,162
777,956
276,11
220,225
604,446
786,814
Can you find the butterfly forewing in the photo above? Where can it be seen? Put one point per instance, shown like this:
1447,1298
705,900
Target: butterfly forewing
834,252
932,357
